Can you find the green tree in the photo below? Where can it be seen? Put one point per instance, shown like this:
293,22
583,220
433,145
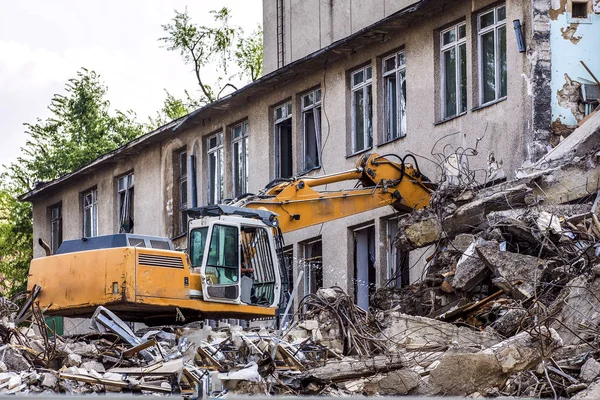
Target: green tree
15,241
172,109
202,46
80,129
249,54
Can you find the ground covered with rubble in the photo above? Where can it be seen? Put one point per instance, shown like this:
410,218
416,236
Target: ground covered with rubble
508,305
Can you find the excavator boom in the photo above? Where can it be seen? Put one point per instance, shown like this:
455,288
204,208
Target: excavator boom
383,182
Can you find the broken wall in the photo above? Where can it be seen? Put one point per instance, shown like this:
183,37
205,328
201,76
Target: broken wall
572,40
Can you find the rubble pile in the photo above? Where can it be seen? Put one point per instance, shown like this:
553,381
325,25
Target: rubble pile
519,260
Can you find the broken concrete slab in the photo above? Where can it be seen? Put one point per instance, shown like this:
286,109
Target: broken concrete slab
591,393
522,272
402,330
590,370
470,270
526,349
14,361
474,213
576,311
398,383
461,374
582,140
510,321
352,368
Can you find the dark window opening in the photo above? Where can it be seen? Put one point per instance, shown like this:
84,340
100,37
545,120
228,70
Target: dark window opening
364,266
55,227
579,10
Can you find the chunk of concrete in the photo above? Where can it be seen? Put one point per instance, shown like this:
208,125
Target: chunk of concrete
470,270
399,382
590,370
402,330
576,310
461,374
423,233
14,361
582,140
521,271
526,349
591,393
510,321
93,366
49,380
73,360
461,242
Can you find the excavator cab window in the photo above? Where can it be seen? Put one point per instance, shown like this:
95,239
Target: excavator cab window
198,238
223,256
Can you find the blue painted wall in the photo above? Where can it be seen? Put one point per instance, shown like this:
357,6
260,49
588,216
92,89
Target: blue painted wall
566,56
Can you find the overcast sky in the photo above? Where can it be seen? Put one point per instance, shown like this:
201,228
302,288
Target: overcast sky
43,44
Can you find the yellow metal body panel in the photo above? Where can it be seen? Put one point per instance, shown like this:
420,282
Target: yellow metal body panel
136,287
84,279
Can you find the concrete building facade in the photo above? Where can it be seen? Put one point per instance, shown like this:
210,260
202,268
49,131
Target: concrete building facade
446,81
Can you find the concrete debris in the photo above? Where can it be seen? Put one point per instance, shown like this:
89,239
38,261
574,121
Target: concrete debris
590,370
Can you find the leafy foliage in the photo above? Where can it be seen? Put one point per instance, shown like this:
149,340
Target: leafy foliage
201,46
81,129
15,241
172,109
249,54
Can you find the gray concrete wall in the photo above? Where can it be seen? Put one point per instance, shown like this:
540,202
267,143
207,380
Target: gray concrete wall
503,128
310,25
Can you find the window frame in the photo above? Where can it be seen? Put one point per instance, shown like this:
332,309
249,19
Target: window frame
315,107
399,69
129,192
363,86
495,27
54,245
455,45
93,206
242,142
181,181
286,114
217,152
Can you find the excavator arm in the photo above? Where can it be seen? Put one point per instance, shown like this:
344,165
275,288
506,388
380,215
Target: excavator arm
382,182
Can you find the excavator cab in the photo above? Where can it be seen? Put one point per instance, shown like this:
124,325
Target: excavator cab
236,255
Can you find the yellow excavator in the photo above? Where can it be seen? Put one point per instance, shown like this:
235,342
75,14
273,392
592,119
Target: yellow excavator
234,265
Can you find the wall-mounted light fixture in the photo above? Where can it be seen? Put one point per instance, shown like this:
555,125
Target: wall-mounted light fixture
519,35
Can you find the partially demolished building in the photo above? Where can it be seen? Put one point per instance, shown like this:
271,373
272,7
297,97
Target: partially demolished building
442,80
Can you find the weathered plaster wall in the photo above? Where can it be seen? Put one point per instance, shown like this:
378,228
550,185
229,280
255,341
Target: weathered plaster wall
310,25
147,200
571,43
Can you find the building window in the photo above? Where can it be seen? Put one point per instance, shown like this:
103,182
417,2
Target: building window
364,266
311,127
90,213
453,45
181,170
394,96
239,150
55,227
362,109
283,141
215,168
491,28
312,262
280,44
398,269
125,198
